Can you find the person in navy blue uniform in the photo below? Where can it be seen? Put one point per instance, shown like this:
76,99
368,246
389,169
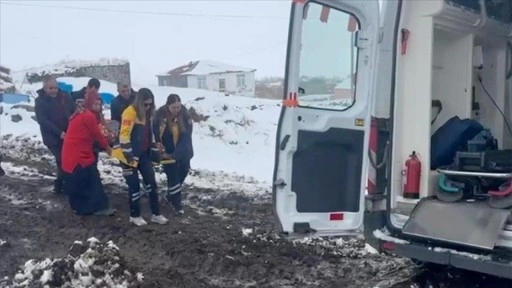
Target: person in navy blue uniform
172,127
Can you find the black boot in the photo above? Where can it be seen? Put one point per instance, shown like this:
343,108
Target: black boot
2,172
58,186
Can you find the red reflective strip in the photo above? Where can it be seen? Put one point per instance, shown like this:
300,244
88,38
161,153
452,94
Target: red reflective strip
324,15
299,1
372,172
336,216
352,24
390,246
127,122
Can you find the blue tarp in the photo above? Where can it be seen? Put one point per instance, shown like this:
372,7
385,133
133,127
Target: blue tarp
14,98
65,87
107,98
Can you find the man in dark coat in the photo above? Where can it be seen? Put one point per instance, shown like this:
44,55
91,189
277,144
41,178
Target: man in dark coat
93,84
53,107
123,100
2,172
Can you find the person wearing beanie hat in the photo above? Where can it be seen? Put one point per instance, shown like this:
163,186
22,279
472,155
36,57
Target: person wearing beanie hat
83,183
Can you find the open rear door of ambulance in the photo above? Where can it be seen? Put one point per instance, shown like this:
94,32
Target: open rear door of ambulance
322,139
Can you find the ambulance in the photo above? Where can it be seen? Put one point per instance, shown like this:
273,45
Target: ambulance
395,124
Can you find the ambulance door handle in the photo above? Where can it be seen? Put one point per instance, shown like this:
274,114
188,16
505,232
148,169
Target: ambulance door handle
283,143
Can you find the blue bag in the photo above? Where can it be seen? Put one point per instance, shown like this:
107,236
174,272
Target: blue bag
451,137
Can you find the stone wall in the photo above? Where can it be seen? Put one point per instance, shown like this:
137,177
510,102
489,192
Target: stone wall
112,73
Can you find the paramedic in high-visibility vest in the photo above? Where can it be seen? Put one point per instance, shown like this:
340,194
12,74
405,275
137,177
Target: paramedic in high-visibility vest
136,142
173,134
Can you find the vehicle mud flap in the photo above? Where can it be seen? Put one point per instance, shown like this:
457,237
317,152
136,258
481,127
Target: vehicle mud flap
471,224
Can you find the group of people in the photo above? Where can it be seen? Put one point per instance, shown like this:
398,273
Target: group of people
75,131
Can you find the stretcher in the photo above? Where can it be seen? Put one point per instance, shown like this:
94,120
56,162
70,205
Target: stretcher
117,152
451,190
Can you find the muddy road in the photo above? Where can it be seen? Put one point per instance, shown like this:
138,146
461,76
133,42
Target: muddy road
200,249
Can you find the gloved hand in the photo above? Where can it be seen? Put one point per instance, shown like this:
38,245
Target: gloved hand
129,157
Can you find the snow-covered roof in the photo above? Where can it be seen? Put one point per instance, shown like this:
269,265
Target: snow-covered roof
5,79
64,66
5,85
205,67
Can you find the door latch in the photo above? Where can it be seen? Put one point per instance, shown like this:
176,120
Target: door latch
279,183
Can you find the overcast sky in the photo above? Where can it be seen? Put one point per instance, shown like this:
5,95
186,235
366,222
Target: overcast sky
154,35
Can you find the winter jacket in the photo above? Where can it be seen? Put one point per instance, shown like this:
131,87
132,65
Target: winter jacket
118,105
135,136
52,114
83,132
177,143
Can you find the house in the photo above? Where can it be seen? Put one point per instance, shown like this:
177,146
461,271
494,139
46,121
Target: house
212,76
344,89
6,83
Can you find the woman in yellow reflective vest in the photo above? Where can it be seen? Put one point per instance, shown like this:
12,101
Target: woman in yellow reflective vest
136,141
173,134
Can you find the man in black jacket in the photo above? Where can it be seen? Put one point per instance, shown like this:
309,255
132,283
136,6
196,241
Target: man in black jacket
53,107
93,84
123,100
2,172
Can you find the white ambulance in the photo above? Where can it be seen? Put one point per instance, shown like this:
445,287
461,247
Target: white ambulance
365,87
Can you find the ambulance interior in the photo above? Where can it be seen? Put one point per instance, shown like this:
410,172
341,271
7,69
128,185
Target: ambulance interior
456,63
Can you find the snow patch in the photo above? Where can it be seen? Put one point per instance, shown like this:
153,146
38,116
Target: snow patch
98,265
370,249
461,253
385,236
247,231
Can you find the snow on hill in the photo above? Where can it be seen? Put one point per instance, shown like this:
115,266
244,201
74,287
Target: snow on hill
66,66
238,135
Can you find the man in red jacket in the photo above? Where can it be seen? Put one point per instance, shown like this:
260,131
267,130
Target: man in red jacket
83,183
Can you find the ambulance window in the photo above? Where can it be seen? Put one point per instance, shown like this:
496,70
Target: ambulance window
328,58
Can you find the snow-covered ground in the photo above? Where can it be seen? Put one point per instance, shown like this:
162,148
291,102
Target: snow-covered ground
237,139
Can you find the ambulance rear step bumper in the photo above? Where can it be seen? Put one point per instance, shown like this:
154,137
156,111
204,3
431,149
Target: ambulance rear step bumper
472,262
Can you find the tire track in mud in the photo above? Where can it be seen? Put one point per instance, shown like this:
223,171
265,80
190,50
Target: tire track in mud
198,250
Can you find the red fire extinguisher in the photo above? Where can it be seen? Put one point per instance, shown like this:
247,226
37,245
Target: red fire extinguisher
412,175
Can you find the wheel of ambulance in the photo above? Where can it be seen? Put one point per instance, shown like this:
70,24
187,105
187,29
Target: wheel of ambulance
446,192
